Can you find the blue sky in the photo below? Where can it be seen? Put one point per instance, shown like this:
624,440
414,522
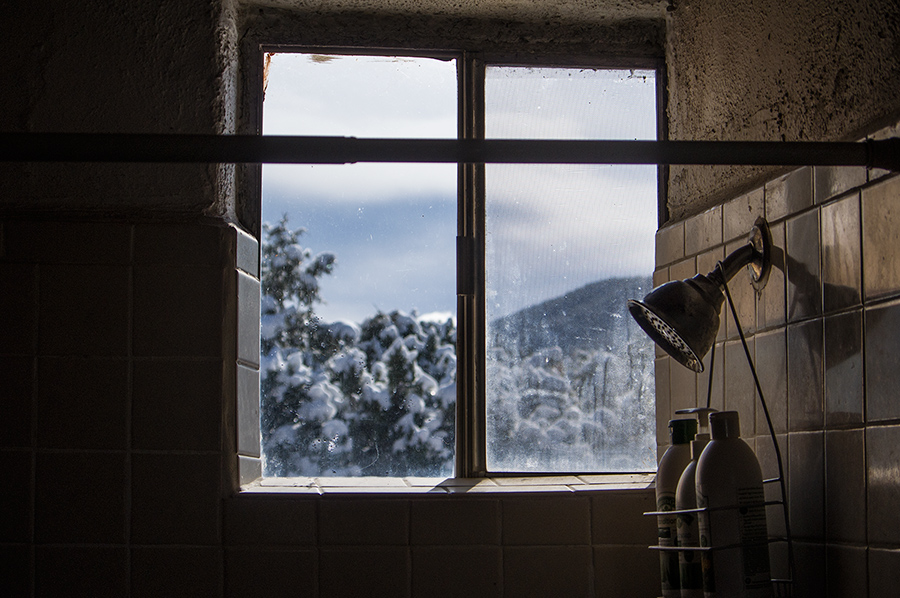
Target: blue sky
393,226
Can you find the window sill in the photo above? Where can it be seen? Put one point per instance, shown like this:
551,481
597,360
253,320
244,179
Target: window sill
363,485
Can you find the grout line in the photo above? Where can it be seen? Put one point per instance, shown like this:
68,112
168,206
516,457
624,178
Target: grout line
318,548
33,432
129,410
502,575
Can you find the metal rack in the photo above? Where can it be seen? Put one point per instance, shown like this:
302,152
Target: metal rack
782,588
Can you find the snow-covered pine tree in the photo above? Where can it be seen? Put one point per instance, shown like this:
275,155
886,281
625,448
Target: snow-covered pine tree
404,422
299,403
346,399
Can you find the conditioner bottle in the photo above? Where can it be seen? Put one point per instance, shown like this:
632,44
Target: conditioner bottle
671,466
729,484
690,571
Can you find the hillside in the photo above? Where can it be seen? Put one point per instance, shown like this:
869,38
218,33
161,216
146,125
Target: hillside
594,316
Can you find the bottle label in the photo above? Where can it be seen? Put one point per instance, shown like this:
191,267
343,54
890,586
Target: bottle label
749,525
755,552
690,570
668,536
706,563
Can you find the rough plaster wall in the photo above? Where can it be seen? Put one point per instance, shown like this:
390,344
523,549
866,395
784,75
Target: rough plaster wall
112,66
773,70
520,10
595,33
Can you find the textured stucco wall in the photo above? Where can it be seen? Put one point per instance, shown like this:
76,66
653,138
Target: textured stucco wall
527,10
632,28
109,66
774,70
613,39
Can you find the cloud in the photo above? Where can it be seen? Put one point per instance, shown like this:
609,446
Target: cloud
361,96
529,103
357,183
551,228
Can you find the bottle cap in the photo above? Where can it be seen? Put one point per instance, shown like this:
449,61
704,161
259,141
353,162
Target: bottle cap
702,414
725,424
681,431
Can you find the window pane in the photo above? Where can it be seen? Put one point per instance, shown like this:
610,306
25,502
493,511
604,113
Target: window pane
569,374
358,319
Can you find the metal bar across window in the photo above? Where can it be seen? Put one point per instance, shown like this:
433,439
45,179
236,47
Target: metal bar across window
271,149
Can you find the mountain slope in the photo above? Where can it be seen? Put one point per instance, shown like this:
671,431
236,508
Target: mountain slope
594,316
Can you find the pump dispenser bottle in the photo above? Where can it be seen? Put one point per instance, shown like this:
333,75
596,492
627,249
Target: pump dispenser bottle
689,568
671,466
729,484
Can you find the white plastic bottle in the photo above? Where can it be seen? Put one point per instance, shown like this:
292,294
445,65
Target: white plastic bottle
728,475
689,569
671,466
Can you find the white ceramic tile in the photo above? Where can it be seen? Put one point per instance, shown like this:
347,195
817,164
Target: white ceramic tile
246,253
703,231
248,319
739,214
669,244
248,411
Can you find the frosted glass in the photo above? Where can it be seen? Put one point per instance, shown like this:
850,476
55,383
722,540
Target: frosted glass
366,386
570,383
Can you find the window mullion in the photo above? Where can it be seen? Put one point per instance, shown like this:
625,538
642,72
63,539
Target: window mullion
470,415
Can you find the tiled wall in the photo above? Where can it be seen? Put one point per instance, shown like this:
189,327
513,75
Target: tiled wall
112,433
824,336
466,544
121,352
122,348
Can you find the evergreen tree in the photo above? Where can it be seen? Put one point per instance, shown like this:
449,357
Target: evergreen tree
378,398
346,399
299,404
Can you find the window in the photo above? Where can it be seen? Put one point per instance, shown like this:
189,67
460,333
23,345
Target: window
378,355
358,360
569,375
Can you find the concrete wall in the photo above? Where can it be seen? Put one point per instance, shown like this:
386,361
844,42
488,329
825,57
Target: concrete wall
765,70
107,67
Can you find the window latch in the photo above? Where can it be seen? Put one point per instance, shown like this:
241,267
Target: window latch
465,265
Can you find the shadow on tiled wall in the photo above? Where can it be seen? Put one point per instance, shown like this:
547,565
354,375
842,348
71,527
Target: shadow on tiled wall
824,333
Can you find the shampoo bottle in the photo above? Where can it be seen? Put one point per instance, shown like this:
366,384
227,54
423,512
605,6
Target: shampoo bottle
690,571
729,484
671,466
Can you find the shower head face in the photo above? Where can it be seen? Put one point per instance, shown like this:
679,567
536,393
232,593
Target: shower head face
682,317
664,335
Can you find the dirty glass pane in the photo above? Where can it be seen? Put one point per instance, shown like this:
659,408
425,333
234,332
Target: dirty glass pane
569,374
358,361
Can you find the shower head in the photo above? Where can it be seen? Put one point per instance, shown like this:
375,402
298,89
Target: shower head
682,316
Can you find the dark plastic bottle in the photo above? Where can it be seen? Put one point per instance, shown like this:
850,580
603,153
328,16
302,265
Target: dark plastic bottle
671,466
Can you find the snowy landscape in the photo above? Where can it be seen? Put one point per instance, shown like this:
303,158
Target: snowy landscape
570,384
570,381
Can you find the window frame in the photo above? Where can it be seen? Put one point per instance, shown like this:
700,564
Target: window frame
471,407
